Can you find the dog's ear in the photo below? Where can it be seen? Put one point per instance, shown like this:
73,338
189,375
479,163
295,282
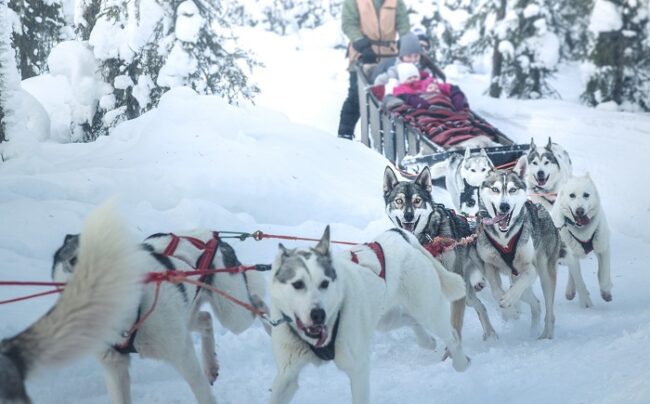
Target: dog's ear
284,250
390,180
323,246
468,153
549,145
532,144
521,167
424,179
489,160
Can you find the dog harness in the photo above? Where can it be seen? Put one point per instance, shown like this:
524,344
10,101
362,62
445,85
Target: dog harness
328,351
508,252
587,246
379,252
541,192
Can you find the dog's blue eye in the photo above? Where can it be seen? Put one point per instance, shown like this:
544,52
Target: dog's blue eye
298,285
512,190
585,195
495,189
324,284
572,196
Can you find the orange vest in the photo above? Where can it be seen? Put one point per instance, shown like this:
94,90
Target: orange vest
377,28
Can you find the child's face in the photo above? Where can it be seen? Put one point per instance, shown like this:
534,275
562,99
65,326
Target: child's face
412,58
411,79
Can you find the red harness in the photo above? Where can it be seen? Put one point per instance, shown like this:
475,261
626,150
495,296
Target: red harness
508,252
210,248
379,252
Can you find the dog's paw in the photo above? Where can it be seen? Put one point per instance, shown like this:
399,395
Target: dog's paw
606,295
212,371
426,342
586,303
546,334
510,313
461,364
570,293
477,281
490,336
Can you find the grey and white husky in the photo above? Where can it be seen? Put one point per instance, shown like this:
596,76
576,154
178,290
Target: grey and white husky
519,240
547,169
583,227
464,174
334,301
409,206
165,333
102,294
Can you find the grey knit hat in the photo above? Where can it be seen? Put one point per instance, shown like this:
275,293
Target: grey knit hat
409,44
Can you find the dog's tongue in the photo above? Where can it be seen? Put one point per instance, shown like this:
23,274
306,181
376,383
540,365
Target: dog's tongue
409,226
323,337
541,181
583,220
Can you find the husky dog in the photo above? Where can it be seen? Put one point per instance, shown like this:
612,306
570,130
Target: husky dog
332,303
464,174
583,229
165,333
518,239
546,170
103,292
410,207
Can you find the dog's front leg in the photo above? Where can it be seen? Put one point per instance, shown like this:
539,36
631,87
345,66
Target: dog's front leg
360,383
116,374
523,280
604,276
291,355
575,274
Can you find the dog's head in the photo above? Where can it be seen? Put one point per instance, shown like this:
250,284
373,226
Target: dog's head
578,200
305,287
65,258
502,196
475,167
408,203
542,166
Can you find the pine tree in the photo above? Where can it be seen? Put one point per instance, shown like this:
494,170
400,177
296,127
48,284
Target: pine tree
619,58
9,79
188,43
529,50
40,25
570,19
488,21
445,39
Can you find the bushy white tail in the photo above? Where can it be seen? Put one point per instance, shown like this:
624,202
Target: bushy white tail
452,285
440,169
105,289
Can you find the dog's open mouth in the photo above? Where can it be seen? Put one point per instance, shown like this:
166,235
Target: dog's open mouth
502,220
541,181
409,226
581,220
317,332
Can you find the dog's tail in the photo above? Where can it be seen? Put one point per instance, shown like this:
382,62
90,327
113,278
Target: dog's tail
452,285
439,170
104,289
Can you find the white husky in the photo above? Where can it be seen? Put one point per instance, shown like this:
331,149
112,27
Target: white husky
464,174
104,291
333,302
583,228
547,169
165,333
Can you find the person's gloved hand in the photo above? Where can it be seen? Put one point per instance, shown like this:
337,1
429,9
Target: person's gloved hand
363,46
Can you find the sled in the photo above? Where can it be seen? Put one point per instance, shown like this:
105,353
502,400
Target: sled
407,146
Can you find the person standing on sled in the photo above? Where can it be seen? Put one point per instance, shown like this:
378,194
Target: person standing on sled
372,27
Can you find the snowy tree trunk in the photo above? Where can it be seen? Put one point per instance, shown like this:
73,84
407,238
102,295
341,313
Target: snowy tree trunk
497,58
9,80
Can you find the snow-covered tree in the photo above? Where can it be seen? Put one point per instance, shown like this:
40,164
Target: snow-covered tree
570,19
530,51
487,22
40,25
9,79
146,47
619,60
280,15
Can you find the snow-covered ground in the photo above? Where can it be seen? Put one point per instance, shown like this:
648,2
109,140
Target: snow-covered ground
197,162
